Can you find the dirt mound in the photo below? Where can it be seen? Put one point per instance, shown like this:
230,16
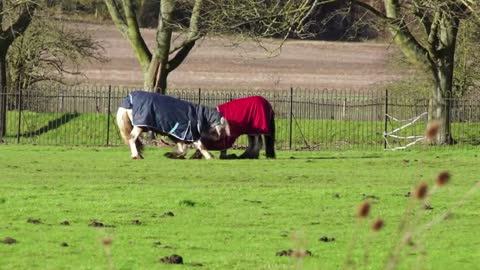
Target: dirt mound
9,240
294,253
172,259
34,221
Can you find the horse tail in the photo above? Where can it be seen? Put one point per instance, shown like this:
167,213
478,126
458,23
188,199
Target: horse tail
125,126
270,139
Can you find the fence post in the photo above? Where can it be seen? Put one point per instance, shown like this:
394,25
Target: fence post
19,115
199,96
386,119
108,113
291,120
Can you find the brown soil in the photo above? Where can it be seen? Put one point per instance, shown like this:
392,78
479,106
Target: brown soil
136,222
173,259
217,63
95,223
9,240
34,221
326,239
294,253
168,214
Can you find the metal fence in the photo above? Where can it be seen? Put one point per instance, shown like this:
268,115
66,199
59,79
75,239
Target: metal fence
305,119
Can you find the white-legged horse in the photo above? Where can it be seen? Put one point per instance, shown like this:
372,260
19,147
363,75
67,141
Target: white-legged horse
182,121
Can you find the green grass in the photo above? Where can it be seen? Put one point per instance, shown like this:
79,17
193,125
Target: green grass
229,214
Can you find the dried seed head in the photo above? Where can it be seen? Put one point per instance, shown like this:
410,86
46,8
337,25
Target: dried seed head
107,241
443,178
420,191
363,209
378,225
432,130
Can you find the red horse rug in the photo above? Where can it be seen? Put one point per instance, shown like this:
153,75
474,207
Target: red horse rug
246,116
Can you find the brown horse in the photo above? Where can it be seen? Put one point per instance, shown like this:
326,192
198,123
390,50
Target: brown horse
252,116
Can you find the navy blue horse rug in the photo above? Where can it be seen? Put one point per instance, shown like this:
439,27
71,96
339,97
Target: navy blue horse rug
172,116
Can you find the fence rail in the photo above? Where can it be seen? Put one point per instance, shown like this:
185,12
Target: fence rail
305,119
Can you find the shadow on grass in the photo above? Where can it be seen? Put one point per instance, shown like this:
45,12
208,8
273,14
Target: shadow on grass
333,158
52,124
308,158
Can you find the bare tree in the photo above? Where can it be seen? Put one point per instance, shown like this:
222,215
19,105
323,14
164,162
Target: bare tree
48,51
426,32
15,17
192,20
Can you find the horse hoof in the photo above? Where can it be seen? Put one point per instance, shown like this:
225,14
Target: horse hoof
173,155
137,157
196,155
209,157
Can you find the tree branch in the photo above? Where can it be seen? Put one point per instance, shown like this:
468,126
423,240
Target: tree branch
432,36
372,10
193,34
20,25
402,36
180,56
128,26
116,15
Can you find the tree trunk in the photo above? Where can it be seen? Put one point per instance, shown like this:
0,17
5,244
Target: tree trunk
161,81
441,101
155,78
150,74
13,30
164,39
440,107
443,78
3,94
156,65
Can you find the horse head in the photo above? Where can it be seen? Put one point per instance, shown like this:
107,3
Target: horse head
222,128
218,130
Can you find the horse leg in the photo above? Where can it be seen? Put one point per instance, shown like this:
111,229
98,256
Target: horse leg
269,146
223,155
253,149
255,152
134,142
248,151
270,138
202,149
180,151
129,133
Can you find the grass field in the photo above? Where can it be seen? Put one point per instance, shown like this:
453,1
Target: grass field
231,214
